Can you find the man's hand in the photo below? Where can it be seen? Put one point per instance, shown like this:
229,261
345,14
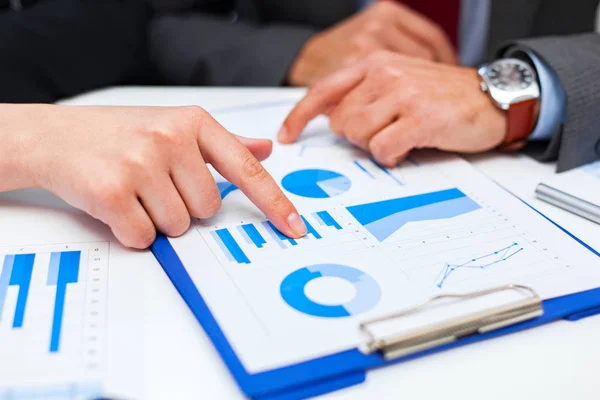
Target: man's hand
137,168
385,25
389,104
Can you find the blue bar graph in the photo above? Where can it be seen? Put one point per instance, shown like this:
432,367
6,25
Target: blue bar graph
280,235
318,219
16,271
5,279
310,229
237,244
53,303
273,234
230,246
328,219
64,269
244,235
254,235
53,268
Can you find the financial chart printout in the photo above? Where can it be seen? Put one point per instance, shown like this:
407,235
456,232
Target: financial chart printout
379,239
53,320
71,304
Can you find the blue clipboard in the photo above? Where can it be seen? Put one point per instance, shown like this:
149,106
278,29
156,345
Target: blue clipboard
340,370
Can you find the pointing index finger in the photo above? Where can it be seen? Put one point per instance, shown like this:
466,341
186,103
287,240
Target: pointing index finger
319,98
238,165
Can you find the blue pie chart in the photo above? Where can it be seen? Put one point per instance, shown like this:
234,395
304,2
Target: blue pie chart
316,183
367,290
225,188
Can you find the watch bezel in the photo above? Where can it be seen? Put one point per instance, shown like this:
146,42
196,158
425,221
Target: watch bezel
504,98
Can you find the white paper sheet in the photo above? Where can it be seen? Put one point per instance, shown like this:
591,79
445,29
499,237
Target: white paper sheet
432,225
520,174
72,311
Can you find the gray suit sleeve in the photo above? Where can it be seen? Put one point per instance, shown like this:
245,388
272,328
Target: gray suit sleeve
576,61
199,49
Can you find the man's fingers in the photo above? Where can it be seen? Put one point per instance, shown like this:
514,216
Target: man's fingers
237,164
357,98
410,47
260,148
394,142
319,98
361,123
164,204
397,40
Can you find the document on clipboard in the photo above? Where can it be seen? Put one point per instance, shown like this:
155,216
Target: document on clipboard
379,240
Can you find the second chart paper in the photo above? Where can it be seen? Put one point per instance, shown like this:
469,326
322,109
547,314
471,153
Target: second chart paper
379,240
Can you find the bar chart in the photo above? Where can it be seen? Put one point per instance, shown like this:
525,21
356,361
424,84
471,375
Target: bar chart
238,243
53,302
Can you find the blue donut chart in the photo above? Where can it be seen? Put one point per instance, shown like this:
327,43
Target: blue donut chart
367,295
316,183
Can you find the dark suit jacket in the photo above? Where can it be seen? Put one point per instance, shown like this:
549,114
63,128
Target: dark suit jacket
58,48
254,42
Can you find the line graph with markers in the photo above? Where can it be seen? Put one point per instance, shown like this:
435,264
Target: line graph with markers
481,262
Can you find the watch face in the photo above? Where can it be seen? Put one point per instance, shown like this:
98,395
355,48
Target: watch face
510,75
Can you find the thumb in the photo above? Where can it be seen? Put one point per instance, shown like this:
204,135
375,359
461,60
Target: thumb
260,148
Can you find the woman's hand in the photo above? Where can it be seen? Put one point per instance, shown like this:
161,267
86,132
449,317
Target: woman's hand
137,168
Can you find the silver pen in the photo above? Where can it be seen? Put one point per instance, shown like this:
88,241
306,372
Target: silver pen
568,202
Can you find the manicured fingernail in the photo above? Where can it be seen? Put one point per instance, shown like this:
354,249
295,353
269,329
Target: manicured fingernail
283,133
296,224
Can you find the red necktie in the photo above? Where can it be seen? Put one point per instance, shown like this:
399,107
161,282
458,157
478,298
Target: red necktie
444,12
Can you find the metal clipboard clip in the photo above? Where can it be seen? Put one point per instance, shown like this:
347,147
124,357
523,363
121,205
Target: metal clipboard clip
427,337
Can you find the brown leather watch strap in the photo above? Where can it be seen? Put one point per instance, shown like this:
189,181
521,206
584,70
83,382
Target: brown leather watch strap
521,118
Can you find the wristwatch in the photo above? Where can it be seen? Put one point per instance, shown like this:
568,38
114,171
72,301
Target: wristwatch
512,86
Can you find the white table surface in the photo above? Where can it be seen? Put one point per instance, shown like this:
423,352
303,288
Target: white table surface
555,361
